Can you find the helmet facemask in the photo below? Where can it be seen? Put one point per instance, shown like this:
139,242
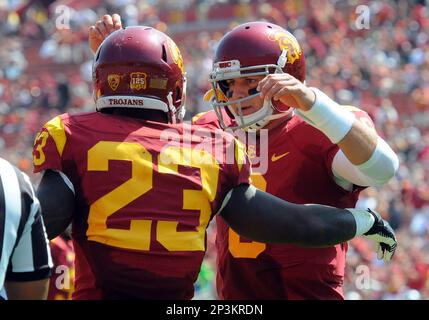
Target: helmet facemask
226,70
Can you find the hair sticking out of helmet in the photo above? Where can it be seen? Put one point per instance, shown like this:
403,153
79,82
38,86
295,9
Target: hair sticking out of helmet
254,49
140,68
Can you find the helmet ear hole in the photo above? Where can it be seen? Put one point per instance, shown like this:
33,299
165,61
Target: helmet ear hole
164,54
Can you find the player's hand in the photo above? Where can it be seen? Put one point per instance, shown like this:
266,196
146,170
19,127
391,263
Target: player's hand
289,90
384,237
102,28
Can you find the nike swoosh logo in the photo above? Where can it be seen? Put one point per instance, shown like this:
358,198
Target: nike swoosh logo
274,158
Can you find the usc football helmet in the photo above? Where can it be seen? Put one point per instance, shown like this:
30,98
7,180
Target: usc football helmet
140,67
253,49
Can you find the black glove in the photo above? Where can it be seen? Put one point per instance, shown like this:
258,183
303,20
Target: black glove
384,236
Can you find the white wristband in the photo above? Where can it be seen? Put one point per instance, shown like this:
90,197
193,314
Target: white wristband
364,220
328,116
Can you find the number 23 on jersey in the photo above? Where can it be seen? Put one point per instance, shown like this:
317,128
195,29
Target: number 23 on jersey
138,236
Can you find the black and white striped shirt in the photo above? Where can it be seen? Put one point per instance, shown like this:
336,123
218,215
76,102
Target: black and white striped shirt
24,247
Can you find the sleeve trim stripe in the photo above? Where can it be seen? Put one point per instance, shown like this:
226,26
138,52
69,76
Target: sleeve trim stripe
56,130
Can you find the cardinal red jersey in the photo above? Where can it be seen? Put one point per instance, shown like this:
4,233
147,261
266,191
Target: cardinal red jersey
145,193
299,170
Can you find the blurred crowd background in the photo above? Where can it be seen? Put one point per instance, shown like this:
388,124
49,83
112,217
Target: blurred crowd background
383,68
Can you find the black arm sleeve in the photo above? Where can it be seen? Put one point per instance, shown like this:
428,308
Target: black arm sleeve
57,202
263,217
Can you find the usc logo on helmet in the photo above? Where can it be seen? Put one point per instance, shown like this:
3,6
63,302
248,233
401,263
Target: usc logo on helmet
176,55
288,42
113,81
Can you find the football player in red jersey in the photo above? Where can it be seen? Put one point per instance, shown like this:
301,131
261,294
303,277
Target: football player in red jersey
140,191
318,152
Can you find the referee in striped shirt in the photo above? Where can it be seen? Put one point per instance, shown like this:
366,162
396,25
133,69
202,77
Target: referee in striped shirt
25,258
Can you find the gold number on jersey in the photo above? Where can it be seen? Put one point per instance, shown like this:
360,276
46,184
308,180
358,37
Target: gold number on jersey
252,249
138,235
167,233
43,137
